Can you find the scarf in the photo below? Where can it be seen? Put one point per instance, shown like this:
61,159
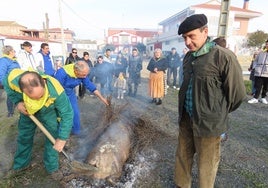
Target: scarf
33,105
204,49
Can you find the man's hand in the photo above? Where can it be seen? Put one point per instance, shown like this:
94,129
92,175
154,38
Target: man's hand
21,108
105,101
59,145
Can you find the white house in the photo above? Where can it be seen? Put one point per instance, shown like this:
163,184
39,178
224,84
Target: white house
237,26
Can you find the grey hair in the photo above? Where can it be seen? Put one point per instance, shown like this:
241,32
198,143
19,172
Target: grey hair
203,27
158,50
81,65
7,49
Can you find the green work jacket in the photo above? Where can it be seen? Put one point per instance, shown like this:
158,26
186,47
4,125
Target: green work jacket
57,110
217,89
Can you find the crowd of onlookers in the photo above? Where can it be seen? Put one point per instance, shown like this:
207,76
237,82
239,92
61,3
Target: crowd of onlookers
121,75
112,76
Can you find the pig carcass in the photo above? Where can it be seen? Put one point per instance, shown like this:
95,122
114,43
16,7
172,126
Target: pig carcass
111,151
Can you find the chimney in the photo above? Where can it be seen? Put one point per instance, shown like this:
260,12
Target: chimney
246,2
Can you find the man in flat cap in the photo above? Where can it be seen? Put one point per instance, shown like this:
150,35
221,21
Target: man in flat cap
212,88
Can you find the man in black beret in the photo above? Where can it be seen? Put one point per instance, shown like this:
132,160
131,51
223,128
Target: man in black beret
192,22
212,88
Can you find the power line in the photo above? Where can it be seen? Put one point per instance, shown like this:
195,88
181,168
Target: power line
80,17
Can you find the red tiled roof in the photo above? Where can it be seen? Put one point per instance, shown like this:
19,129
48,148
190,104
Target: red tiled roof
138,32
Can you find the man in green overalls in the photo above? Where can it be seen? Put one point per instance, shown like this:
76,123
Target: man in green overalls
43,96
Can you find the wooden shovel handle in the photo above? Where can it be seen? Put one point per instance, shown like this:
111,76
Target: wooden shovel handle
74,164
43,129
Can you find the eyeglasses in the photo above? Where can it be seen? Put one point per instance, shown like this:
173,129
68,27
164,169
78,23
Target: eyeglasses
74,52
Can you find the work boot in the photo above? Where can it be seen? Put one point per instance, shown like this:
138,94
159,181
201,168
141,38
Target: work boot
17,171
22,170
159,101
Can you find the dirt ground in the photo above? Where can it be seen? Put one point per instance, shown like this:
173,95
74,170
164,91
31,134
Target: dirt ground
244,161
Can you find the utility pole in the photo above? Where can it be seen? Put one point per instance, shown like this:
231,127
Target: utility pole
224,18
45,27
1,45
62,32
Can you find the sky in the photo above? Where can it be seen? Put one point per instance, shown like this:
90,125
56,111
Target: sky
90,19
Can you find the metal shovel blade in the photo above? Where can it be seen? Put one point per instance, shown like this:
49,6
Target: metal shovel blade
83,167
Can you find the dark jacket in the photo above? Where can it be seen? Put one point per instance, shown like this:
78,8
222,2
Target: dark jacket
161,64
90,64
102,71
134,64
217,89
174,60
71,59
120,65
134,69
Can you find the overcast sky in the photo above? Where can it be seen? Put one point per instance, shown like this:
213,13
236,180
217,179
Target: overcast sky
89,19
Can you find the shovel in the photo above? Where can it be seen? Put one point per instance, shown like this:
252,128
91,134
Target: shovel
86,168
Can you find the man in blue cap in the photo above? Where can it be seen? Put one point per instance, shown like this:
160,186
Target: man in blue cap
212,88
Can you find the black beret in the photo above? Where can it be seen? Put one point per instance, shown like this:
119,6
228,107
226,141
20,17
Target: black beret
192,22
